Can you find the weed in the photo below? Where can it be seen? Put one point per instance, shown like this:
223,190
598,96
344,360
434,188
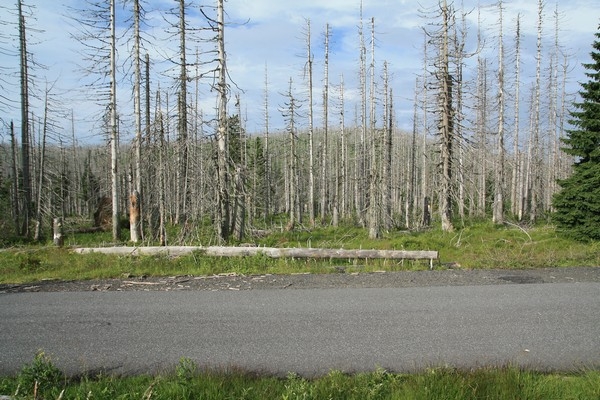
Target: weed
41,376
186,370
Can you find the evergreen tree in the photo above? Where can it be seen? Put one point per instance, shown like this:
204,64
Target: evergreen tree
577,205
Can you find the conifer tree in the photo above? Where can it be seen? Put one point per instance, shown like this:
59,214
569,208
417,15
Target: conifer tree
577,204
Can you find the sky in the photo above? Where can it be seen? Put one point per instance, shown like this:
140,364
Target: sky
269,35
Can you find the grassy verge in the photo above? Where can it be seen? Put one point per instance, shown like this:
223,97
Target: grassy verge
41,379
476,246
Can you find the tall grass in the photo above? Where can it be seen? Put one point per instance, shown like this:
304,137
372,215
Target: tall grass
41,379
481,245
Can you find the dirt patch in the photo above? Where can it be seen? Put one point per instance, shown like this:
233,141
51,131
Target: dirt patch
234,282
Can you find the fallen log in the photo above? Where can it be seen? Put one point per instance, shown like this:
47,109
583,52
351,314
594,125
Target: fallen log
273,252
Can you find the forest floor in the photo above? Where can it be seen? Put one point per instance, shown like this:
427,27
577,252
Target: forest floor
442,276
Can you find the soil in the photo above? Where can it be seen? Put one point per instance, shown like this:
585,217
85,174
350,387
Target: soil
440,277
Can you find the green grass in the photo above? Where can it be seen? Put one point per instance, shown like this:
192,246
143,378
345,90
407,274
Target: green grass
482,245
41,379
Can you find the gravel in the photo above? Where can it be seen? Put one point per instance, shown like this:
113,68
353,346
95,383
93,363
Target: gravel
341,279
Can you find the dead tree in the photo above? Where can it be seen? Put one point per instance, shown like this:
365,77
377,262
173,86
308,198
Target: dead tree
223,200
311,160
498,208
135,217
114,138
445,116
25,151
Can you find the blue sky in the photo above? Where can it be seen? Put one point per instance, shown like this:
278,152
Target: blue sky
270,33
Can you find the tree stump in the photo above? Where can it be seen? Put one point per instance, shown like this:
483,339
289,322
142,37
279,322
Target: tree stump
59,239
134,217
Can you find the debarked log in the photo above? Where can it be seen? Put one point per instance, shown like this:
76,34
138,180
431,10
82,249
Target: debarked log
273,252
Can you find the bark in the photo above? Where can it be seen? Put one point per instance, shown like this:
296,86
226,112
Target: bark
445,122
134,216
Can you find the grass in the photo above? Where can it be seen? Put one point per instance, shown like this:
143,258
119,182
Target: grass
41,379
482,245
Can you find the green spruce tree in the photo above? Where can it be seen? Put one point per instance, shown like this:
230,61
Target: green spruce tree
577,204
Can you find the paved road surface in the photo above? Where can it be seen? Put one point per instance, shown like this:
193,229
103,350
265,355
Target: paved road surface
308,331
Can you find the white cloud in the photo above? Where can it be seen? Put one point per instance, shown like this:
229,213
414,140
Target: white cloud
271,32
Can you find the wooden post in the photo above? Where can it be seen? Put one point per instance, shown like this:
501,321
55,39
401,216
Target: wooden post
58,232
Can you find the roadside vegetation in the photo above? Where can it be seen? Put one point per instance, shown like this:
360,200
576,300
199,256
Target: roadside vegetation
476,245
43,380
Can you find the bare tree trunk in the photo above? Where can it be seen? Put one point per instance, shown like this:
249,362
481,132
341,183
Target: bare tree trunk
516,172
15,174
266,153
182,123
25,171
311,161
410,222
535,170
360,149
292,162
375,205
424,174
498,209
343,201
324,147
387,162
38,220
223,202
161,172
135,221
113,127
459,45
446,123
239,182
482,137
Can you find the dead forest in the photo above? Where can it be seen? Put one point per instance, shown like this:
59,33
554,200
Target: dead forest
485,142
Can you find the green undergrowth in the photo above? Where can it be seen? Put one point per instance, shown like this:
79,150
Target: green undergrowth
43,380
480,245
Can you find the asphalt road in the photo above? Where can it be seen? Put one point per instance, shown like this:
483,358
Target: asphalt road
307,331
